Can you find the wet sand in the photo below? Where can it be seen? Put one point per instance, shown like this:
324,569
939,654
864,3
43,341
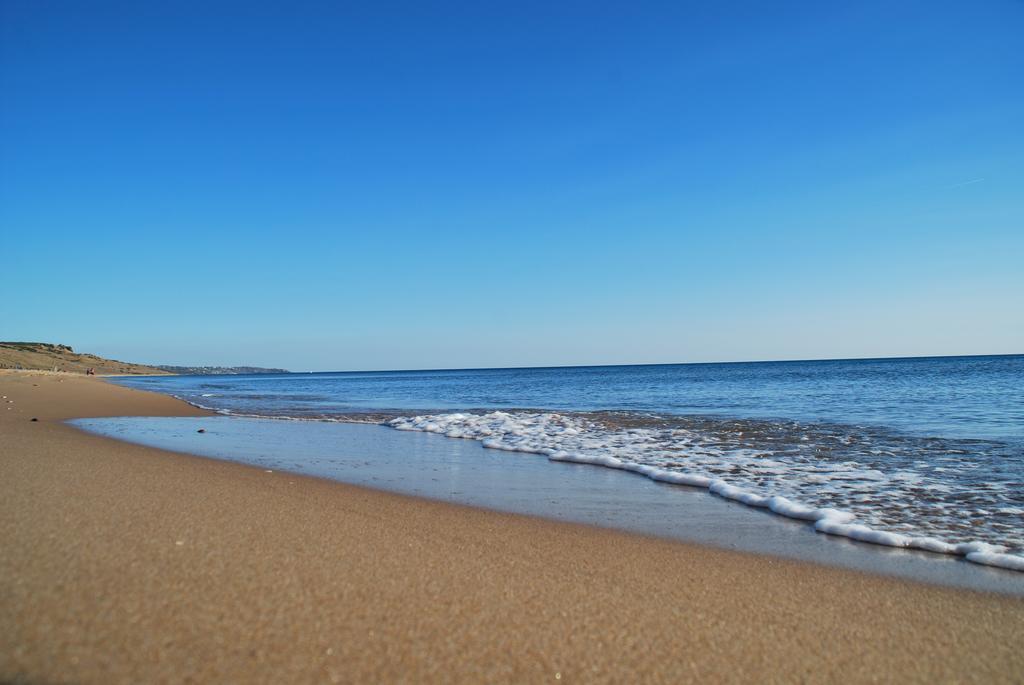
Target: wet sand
122,563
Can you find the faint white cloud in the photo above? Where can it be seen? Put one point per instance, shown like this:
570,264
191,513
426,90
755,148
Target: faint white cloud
965,183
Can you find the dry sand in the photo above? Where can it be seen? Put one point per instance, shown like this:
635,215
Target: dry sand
120,563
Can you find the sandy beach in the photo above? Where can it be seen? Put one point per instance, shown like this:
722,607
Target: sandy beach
122,563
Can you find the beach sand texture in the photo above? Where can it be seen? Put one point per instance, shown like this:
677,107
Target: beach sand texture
120,563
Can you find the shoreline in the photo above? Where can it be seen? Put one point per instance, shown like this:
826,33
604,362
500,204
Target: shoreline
932,475
477,424
464,472
126,563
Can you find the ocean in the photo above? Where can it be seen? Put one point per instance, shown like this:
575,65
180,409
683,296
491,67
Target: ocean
920,453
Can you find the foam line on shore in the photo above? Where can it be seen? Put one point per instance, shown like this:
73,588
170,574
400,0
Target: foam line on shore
500,430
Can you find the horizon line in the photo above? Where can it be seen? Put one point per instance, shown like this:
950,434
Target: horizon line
604,366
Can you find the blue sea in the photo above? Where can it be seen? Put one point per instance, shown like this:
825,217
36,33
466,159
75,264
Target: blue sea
925,453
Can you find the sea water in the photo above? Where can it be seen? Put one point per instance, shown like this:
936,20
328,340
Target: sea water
923,453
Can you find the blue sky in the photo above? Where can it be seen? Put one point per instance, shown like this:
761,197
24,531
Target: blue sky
339,186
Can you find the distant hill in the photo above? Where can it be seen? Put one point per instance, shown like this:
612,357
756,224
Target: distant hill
49,357
214,370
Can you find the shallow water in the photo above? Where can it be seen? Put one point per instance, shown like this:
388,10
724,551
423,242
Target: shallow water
925,453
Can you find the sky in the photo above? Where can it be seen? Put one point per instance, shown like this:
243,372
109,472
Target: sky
346,186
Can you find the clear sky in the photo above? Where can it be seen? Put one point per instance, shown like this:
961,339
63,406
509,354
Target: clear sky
373,185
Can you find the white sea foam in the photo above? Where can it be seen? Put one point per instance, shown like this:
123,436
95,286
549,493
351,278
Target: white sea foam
1010,561
843,498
